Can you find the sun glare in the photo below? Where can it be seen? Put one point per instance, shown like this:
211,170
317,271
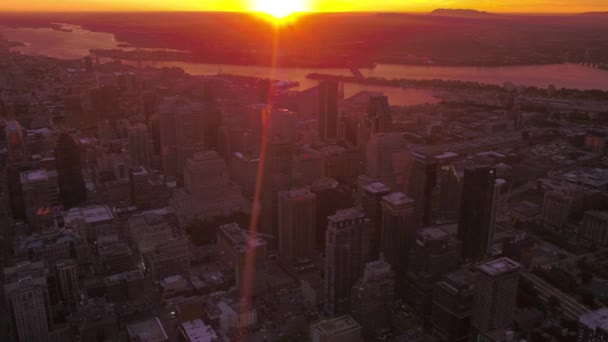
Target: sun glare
279,9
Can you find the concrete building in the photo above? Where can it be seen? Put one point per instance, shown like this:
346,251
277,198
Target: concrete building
147,231
27,297
14,139
434,255
236,314
52,246
558,206
40,194
67,280
123,287
168,258
150,330
91,221
343,256
595,227
496,295
73,191
140,144
452,309
593,326
207,191
197,331
247,254
331,196
371,201
339,329
398,231
140,187
329,111
384,158
297,218
372,296
181,133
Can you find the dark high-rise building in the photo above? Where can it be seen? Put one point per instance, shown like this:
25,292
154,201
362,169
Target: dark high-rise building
297,218
331,197
450,187
496,295
372,297
398,232
371,201
453,306
329,115
69,172
343,257
379,115
475,226
422,185
434,255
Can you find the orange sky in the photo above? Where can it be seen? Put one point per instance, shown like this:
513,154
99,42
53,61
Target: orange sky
544,6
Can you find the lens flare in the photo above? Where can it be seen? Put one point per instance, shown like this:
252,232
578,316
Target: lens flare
279,9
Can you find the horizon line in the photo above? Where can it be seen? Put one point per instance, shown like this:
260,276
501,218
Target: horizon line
298,13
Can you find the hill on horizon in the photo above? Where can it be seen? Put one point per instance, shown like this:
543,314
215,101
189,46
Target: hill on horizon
460,12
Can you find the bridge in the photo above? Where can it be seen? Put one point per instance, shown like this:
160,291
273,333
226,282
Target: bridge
356,73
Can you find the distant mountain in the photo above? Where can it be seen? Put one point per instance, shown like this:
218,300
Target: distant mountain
595,14
457,12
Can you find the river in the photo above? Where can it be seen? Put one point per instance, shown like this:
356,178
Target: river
77,43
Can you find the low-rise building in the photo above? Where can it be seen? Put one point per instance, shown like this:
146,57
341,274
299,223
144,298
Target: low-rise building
339,329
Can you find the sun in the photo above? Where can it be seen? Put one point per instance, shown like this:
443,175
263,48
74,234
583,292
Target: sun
279,9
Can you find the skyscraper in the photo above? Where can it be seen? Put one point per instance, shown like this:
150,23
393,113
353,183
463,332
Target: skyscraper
371,201
398,231
39,189
140,144
181,133
27,298
496,295
477,206
247,254
330,197
67,279
328,116
343,256
453,306
434,254
422,185
297,219
372,296
69,171
382,157
379,115
15,142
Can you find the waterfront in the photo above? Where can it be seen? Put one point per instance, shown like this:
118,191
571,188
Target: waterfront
77,42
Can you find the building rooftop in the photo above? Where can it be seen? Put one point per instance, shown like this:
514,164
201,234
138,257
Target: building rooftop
499,266
91,215
149,331
433,234
397,198
595,319
598,213
377,188
347,214
126,276
197,331
297,194
336,326
35,176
